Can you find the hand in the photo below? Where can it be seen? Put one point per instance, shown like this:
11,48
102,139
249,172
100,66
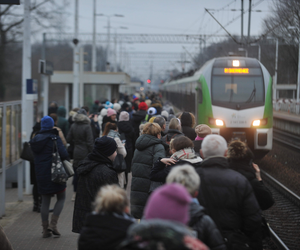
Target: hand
257,171
95,118
168,161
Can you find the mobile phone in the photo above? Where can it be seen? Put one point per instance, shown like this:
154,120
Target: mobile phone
123,141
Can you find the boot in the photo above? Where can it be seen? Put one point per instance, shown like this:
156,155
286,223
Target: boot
53,224
35,206
46,232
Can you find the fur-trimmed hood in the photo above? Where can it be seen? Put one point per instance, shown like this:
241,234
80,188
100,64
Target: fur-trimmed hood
187,119
81,118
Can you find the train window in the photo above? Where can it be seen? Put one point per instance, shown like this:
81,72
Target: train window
237,91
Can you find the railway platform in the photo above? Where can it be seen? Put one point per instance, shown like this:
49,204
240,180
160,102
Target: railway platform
286,122
23,227
286,116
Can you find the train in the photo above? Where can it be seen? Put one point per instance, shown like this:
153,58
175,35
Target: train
233,96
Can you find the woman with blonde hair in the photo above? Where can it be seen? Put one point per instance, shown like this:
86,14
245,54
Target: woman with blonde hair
149,148
107,225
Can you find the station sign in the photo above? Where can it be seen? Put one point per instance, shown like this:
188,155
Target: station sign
45,67
10,2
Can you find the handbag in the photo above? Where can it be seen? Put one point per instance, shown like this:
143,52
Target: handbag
69,168
236,240
26,153
58,172
119,164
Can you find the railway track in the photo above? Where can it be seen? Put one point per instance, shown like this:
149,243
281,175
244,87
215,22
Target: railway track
286,138
284,216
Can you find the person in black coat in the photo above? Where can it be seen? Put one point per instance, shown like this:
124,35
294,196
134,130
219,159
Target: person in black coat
188,123
139,117
205,227
240,159
106,227
95,171
227,195
42,148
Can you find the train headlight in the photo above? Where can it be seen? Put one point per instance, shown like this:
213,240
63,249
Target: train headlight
261,122
236,63
216,122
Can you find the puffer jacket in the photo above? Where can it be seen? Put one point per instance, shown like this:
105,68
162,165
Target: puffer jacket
62,122
148,149
81,136
205,227
93,173
42,147
229,199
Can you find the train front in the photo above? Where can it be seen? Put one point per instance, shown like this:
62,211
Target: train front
241,98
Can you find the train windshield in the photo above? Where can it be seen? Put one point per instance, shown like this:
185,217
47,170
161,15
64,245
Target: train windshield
237,91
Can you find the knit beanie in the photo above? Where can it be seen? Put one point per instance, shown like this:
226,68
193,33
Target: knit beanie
165,114
103,112
124,116
117,107
111,112
143,106
81,111
202,130
108,105
152,111
105,145
47,123
169,202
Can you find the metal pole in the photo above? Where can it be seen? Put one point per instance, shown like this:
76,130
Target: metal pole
3,174
26,74
249,21
45,92
67,101
276,67
259,52
115,52
298,78
46,95
242,22
75,62
81,65
94,55
108,40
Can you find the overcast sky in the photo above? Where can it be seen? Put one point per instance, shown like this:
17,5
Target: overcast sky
167,17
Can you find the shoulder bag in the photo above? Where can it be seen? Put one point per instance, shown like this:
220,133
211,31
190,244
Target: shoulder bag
58,172
119,163
26,153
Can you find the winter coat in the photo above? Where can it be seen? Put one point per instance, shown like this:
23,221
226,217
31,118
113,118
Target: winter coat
170,235
81,135
206,229
159,172
136,120
126,128
262,193
229,199
197,146
62,122
103,113
104,231
94,172
148,149
42,147
189,132
95,128
36,128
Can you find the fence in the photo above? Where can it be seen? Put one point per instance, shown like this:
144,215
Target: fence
292,108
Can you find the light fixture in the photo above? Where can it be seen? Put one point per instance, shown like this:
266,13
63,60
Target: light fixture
256,123
219,122
236,63
216,122
261,122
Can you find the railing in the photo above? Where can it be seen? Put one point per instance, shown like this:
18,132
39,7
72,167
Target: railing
10,133
292,108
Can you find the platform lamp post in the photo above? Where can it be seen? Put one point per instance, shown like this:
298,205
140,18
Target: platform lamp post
108,30
298,78
259,49
242,49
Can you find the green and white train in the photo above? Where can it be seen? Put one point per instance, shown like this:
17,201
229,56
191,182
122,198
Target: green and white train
232,95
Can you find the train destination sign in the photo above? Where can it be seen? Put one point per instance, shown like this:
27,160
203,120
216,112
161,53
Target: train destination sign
236,70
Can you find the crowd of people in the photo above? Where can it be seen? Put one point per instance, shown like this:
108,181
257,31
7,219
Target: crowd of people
183,187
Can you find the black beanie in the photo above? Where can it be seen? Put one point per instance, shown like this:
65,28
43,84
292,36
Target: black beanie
105,145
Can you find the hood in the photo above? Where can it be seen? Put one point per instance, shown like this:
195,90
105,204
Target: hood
61,111
125,127
113,134
38,143
139,115
196,210
81,118
187,119
145,141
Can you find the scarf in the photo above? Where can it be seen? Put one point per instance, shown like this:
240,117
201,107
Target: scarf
187,154
198,138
